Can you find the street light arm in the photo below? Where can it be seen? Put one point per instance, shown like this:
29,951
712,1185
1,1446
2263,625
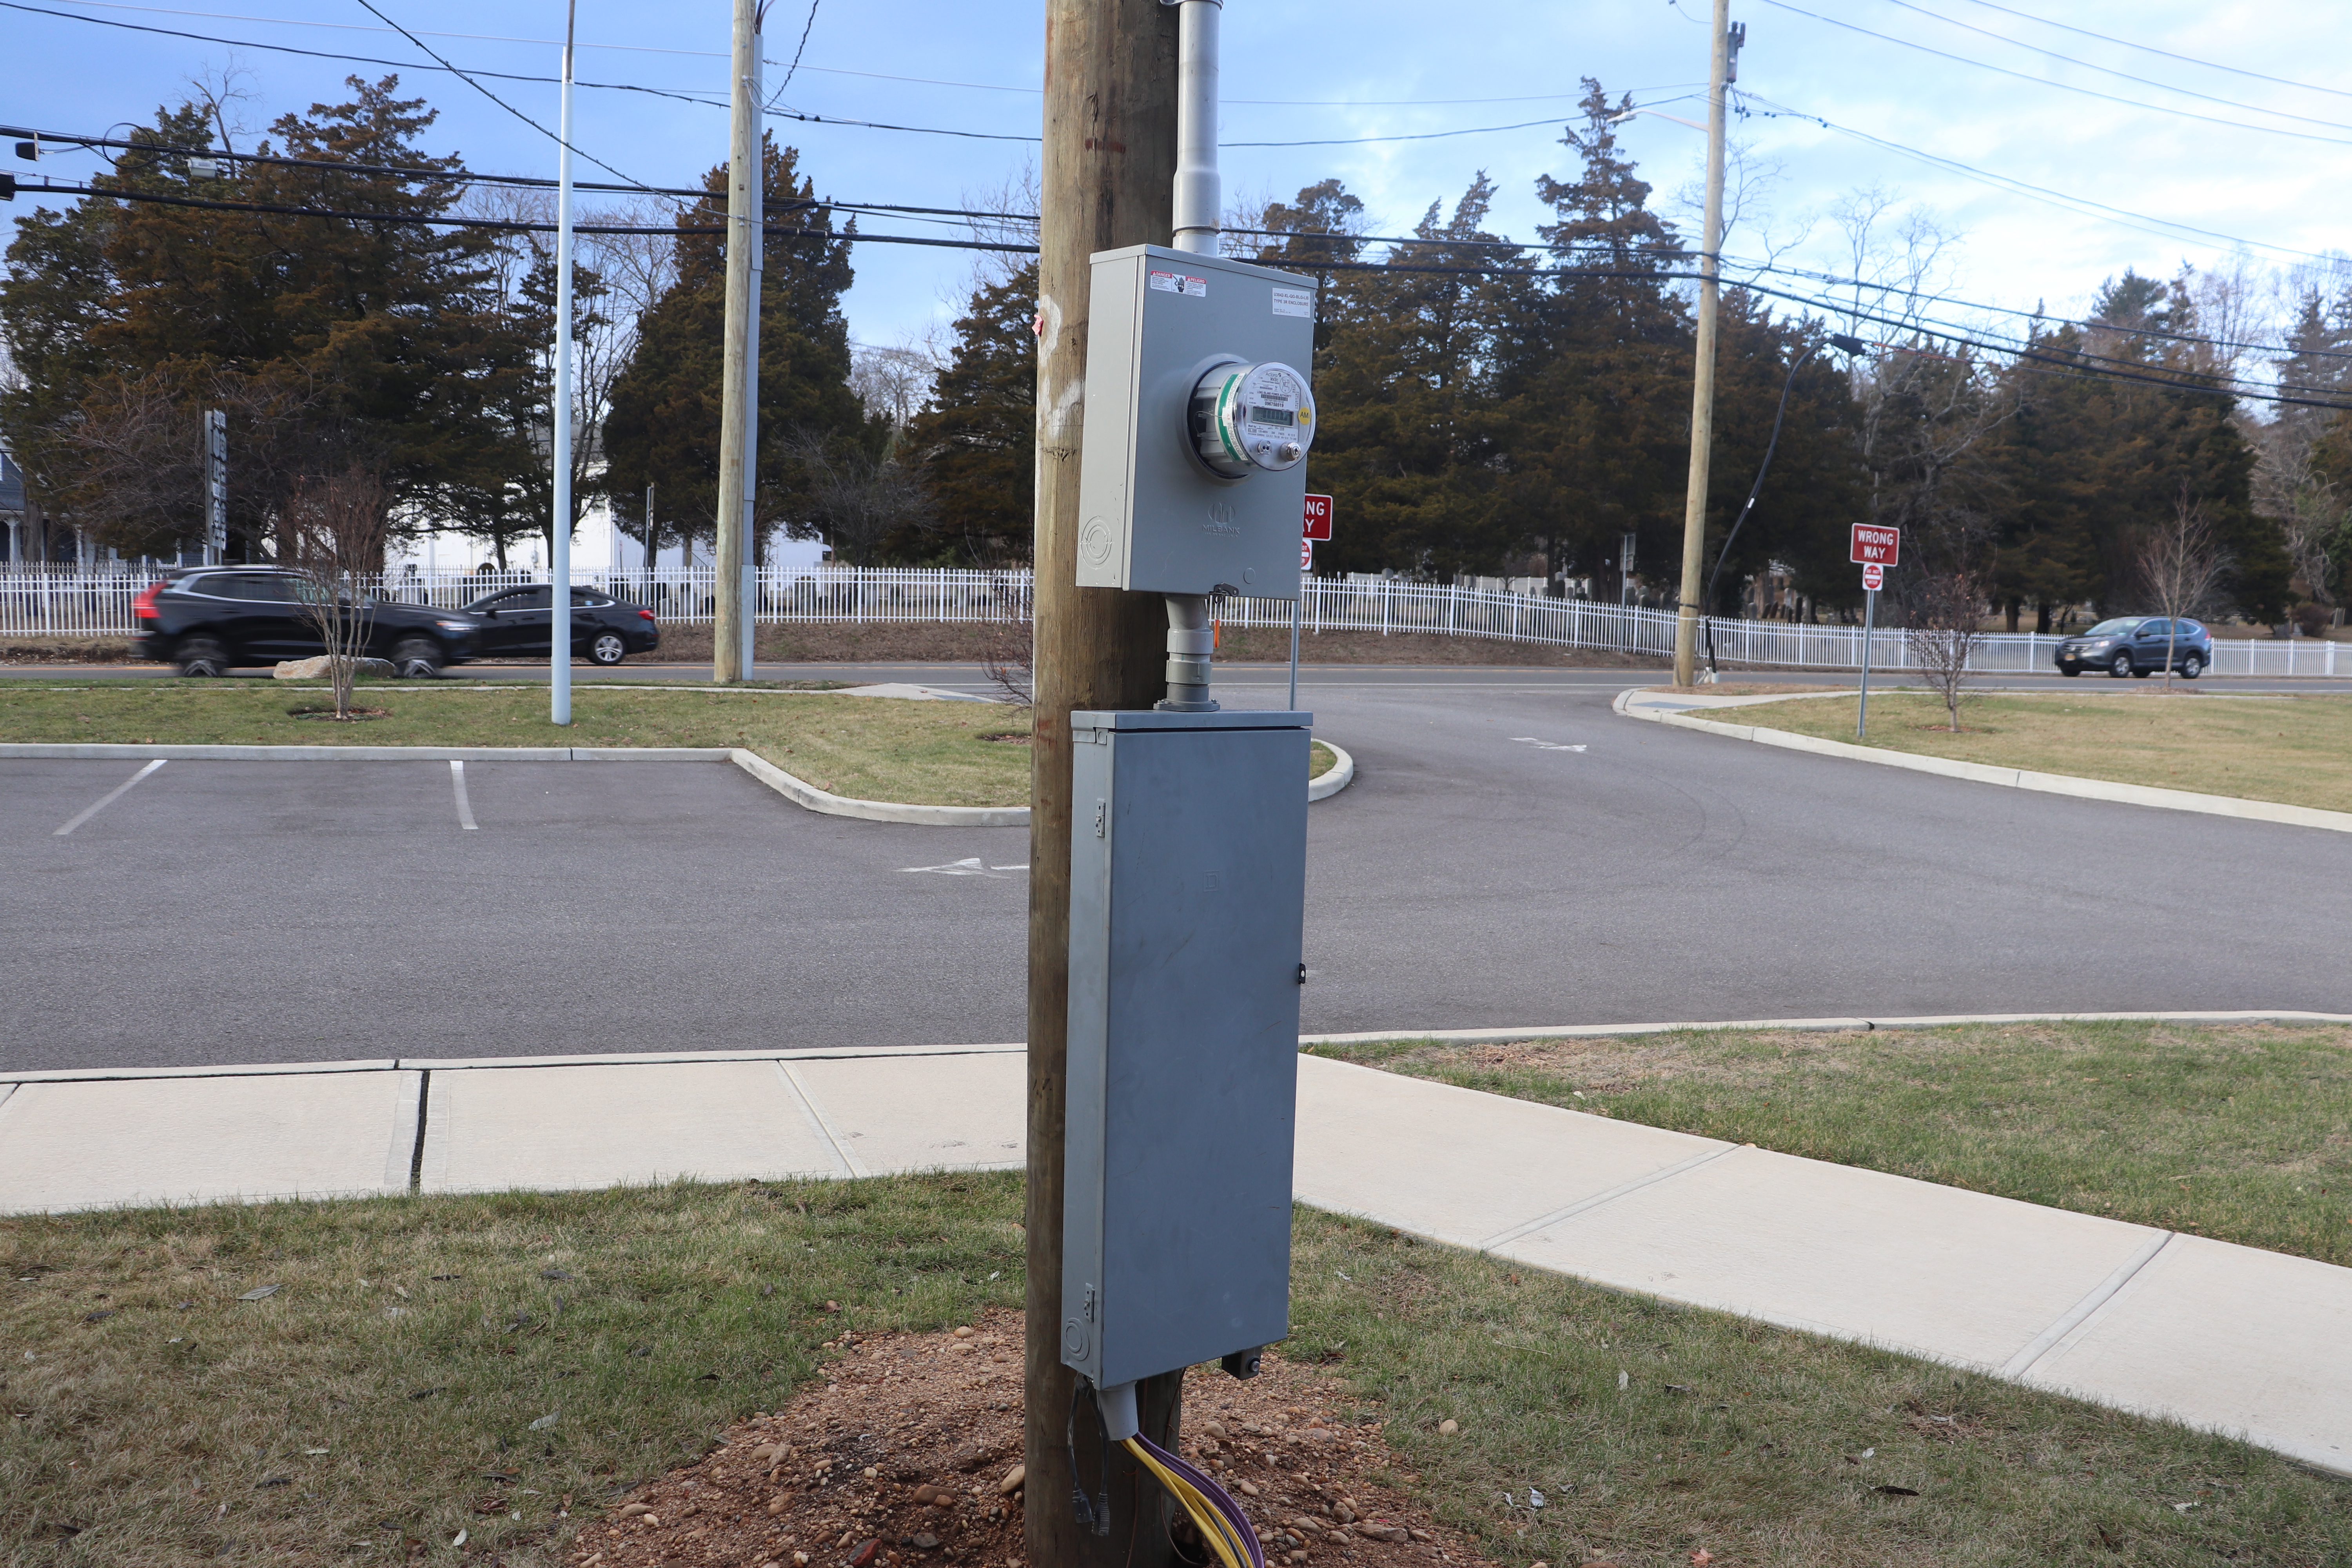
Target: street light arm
1621,119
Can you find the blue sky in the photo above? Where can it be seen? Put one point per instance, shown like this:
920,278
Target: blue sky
2269,188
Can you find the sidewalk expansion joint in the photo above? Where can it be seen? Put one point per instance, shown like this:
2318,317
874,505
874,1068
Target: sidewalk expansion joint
2041,1344
851,1165
416,1154
1583,1206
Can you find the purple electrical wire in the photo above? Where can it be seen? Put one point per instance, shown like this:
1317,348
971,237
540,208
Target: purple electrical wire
1219,1498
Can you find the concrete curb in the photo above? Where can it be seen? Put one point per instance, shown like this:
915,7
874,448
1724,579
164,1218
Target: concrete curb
2013,778
1919,1021
1333,779
842,1053
802,793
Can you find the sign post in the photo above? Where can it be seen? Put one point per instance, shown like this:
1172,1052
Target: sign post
1876,549
1316,524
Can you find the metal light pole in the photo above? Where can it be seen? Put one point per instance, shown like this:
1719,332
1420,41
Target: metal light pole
559,415
739,397
1703,379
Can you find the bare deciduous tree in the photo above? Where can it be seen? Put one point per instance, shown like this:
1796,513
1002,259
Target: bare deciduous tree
894,382
2181,568
1007,640
856,498
1946,623
335,530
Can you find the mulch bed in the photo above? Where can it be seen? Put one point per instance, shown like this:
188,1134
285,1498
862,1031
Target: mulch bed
909,1456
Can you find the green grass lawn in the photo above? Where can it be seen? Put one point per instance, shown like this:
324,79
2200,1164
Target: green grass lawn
2244,1133
414,1352
2289,749
871,748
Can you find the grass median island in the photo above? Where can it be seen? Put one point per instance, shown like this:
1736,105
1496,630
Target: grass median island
2286,749
870,748
2242,1133
397,1385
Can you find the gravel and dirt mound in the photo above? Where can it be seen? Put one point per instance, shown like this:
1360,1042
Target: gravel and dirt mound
909,1456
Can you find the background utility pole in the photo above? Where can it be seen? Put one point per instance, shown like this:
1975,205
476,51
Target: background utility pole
1109,168
1702,438
739,398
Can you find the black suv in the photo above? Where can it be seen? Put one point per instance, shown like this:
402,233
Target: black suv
209,620
518,623
2133,646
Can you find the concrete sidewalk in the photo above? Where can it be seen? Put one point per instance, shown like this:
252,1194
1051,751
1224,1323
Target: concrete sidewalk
2229,1339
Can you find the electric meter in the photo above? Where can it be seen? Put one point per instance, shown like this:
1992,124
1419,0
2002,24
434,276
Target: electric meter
1198,418
1249,417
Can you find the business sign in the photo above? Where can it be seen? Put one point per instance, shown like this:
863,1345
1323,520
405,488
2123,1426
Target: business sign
1874,576
1876,546
1319,518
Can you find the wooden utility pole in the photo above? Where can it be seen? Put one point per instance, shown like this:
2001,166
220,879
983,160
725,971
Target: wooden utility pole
1710,268
739,397
1108,181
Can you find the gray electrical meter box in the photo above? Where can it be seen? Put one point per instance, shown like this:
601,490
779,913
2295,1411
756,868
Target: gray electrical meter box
1188,882
1193,475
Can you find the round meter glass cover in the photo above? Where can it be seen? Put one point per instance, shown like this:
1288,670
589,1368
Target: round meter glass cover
1262,416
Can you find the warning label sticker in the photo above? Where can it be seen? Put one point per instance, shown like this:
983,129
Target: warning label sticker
1294,302
1180,283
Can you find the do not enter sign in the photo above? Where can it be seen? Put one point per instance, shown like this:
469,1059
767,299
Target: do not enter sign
1874,576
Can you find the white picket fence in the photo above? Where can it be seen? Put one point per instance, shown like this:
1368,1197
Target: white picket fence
65,602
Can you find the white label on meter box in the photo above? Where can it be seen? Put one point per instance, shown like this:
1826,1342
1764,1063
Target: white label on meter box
1294,302
1178,283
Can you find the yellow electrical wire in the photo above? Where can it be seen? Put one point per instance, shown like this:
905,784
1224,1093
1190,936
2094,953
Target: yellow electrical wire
1214,1526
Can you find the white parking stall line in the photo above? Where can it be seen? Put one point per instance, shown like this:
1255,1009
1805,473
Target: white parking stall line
117,792
465,808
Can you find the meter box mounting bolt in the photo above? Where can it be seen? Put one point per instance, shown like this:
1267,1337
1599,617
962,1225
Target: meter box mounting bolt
1199,418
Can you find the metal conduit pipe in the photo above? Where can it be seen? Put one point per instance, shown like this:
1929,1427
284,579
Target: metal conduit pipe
1199,192
1198,196
1189,649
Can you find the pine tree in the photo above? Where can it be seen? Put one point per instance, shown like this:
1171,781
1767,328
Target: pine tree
977,437
331,341
663,424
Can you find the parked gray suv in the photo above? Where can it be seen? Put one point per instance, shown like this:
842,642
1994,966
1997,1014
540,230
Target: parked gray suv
2135,644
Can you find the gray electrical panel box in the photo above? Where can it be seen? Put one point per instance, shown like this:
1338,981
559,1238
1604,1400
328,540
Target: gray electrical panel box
1155,516
1188,882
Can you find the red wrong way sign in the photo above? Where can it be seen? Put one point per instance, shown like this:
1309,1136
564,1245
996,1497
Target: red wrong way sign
1874,576
1876,546
1319,518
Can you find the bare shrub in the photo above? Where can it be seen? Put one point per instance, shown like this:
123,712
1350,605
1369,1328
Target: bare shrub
335,528
2181,568
1007,639
1946,623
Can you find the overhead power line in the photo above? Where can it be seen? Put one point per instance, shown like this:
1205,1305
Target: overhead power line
2046,82
352,59
2109,71
524,226
2063,200
2071,360
836,70
371,9
2165,54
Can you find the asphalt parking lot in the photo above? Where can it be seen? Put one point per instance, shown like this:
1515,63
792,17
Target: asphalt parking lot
1512,854
283,911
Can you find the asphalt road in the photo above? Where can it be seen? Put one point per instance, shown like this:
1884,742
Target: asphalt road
1480,873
